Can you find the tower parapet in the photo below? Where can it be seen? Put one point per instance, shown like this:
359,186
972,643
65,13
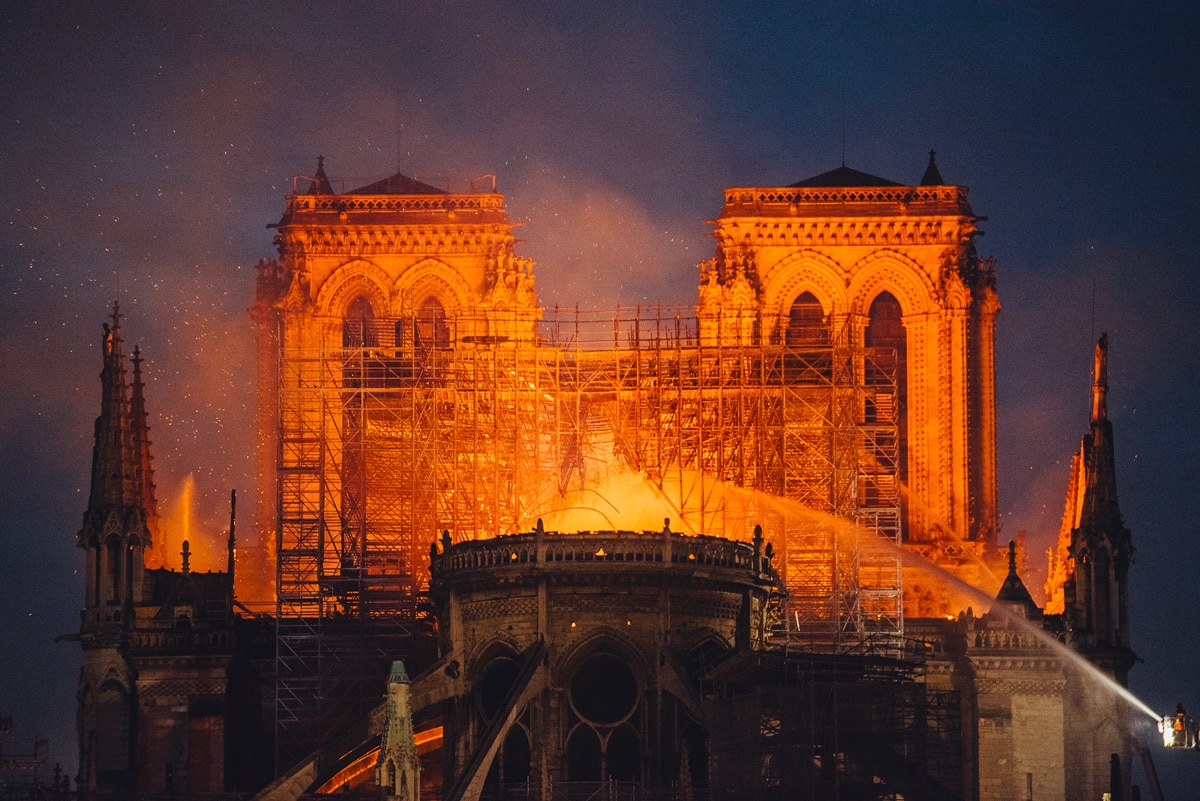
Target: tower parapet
401,249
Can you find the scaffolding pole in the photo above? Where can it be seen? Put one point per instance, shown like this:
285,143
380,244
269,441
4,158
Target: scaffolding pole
392,438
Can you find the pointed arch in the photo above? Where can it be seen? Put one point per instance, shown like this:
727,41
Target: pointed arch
515,757
354,279
358,323
705,648
804,271
494,682
807,324
584,755
623,754
603,639
431,278
113,728
431,329
895,273
886,370
500,644
884,325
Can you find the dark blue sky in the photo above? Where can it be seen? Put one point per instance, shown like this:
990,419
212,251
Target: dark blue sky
143,148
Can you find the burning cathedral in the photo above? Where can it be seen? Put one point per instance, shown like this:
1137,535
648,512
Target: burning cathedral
745,549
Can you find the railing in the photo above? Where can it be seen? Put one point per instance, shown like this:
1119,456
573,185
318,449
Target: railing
179,637
626,547
393,203
872,195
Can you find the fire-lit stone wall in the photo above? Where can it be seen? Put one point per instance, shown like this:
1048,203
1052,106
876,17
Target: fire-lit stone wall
602,634
843,250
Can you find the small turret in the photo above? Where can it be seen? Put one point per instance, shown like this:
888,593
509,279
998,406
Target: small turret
932,176
398,771
143,462
1013,594
320,184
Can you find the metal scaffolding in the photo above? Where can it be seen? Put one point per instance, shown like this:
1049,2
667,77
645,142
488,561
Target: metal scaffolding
401,433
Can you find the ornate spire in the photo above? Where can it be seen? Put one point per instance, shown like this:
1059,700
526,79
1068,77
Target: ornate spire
115,520
1101,548
398,770
140,433
1100,387
1100,497
113,465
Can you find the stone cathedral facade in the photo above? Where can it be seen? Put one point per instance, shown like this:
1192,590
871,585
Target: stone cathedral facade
426,432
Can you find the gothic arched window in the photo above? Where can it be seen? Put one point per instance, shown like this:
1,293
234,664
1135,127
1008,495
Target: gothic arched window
431,329
358,326
604,698
886,372
806,323
886,328
114,559
112,730
585,755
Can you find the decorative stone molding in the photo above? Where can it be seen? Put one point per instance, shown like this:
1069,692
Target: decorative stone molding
353,279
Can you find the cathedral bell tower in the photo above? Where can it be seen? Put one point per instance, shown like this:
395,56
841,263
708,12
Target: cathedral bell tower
115,537
394,270
884,274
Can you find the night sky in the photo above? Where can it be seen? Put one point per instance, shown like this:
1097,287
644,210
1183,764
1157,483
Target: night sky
143,150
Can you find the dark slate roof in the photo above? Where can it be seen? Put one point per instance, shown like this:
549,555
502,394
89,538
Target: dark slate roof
932,176
843,176
208,592
398,184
